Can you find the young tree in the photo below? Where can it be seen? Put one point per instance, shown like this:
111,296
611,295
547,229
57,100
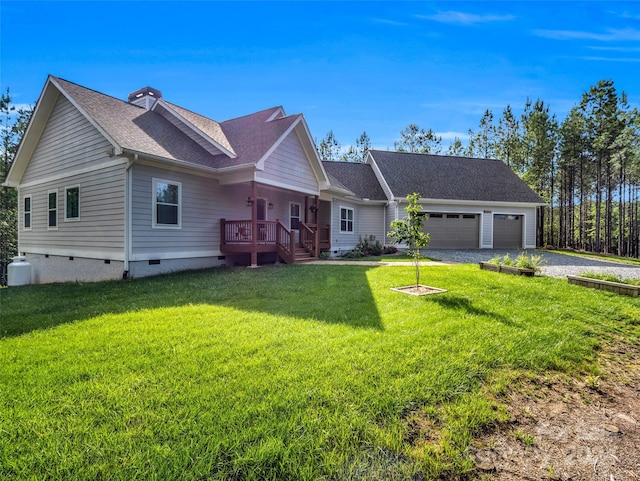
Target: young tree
417,140
410,231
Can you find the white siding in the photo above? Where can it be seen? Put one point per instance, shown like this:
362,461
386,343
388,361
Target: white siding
289,167
371,222
343,241
71,152
68,142
203,205
99,232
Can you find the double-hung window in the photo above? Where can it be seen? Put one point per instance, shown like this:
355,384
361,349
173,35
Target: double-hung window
346,219
27,212
52,196
167,204
72,203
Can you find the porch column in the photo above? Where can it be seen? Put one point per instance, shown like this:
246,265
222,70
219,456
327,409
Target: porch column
306,209
254,224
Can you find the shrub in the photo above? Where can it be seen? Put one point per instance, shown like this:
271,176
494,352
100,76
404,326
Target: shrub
523,261
365,247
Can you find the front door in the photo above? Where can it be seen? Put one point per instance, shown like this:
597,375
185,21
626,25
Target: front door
294,220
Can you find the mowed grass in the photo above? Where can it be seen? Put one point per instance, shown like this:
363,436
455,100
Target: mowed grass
282,373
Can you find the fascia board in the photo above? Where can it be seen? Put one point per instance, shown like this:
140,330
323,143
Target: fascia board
144,158
193,128
277,114
487,203
316,165
372,161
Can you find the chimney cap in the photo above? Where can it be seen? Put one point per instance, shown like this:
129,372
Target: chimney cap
143,92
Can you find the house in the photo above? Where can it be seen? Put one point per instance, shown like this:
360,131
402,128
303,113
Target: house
110,188
470,203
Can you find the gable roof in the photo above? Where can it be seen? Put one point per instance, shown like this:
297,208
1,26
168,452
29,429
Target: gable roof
358,178
169,132
451,178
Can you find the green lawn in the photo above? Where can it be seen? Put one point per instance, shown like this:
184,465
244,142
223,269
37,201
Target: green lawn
285,372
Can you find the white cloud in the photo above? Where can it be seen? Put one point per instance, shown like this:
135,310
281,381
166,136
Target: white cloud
612,35
612,59
386,21
462,18
453,135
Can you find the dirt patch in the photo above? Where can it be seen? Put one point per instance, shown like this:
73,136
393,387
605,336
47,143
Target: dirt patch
569,429
418,290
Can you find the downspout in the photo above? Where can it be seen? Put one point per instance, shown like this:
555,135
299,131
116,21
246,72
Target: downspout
128,226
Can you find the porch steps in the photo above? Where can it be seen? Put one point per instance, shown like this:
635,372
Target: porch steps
301,255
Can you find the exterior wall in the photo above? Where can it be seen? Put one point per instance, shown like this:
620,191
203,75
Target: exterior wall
288,167
49,269
342,242
203,203
69,142
145,269
390,214
71,152
486,218
371,221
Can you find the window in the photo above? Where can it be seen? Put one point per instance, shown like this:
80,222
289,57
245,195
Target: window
435,216
72,203
166,203
53,209
453,216
346,219
27,212
294,216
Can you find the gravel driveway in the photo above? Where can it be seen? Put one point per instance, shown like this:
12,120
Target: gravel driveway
554,265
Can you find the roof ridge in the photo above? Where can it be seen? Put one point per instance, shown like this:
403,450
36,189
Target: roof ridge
395,152
125,102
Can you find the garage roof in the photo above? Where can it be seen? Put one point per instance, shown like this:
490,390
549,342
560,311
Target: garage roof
451,178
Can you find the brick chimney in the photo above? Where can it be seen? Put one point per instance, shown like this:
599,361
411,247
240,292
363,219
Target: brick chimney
145,97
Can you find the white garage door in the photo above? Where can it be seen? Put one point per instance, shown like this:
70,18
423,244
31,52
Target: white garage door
507,231
453,231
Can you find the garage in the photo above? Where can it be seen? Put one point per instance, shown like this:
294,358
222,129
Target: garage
453,231
507,231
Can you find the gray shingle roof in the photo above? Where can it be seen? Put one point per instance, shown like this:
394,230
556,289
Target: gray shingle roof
452,178
148,132
356,177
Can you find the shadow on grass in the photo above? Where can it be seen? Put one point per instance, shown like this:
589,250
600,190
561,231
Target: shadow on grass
330,294
454,302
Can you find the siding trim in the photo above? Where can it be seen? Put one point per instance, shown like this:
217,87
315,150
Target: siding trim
73,252
144,256
69,173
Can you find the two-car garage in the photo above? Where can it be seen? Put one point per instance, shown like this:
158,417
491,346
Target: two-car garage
462,230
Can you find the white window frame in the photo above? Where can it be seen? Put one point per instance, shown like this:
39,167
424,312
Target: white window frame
49,210
347,220
25,212
299,217
154,204
66,190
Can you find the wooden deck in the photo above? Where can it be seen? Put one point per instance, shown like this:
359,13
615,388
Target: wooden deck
257,236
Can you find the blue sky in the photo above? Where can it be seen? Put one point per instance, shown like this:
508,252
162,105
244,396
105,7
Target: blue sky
348,66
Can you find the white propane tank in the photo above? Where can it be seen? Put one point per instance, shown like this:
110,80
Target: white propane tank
19,272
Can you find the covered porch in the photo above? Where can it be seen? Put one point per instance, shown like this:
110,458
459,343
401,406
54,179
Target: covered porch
297,237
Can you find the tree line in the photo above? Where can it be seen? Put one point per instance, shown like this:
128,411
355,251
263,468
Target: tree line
13,123
585,167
